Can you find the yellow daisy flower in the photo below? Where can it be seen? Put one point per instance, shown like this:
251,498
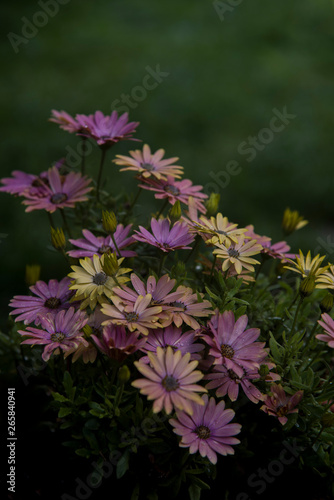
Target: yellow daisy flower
326,280
306,266
292,221
238,254
220,228
91,281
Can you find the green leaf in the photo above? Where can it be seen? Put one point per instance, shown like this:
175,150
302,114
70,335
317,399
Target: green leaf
122,465
83,452
276,349
63,412
194,492
59,397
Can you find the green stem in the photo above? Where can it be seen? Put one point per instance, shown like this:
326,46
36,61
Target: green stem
296,314
213,266
136,198
50,219
118,253
103,155
311,335
163,207
66,226
197,241
161,263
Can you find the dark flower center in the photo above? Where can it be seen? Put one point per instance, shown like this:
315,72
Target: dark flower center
130,317
52,303
178,304
37,182
219,231
233,375
233,252
58,198
282,410
170,383
104,249
57,337
172,190
100,278
155,302
227,351
203,432
147,166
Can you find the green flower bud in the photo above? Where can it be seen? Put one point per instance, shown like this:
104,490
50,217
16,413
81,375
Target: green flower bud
109,221
110,264
87,331
212,204
292,221
326,304
33,272
123,374
307,286
175,212
58,239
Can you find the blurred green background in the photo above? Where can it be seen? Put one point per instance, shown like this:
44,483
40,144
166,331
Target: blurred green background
225,77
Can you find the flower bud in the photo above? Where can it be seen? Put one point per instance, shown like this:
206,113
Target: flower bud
212,204
175,212
263,371
123,374
58,239
327,303
109,264
292,221
109,221
33,272
87,331
307,286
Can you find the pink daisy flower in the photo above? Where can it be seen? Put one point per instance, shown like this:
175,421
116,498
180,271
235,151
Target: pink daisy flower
234,346
186,308
170,381
277,250
173,337
135,316
327,324
279,404
62,192
106,130
228,382
176,190
207,430
165,237
91,245
47,298
63,331
117,343
65,121
148,164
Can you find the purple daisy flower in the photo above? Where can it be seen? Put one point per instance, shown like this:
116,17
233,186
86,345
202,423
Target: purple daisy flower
327,324
117,343
207,430
228,382
234,346
279,405
165,237
173,337
65,121
47,299
63,331
62,191
106,130
98,245
176,190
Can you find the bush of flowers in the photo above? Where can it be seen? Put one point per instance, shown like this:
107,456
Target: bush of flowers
177,348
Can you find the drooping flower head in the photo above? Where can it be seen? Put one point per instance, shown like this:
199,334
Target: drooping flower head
280,404
147,164
47,298
170,381
226,381
233,345
176,190
164,237
99,245
207,430
292,221
62,330
238,254
61,191
117,343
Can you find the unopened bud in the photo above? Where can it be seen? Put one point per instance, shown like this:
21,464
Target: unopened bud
326,304
263,371
175,212
123,374
212,204
109,221
292,221
58,239
109,264
87,331
307,286
33,272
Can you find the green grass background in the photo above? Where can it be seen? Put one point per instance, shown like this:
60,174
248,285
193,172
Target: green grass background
225,77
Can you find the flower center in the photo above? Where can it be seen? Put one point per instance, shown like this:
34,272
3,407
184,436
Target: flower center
58,198
130,317
170,383
233,252
52,303
203,432
178,304
227,351
104,249
233,375
282,410
172,189
147,166
219,231
100,278
57,337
